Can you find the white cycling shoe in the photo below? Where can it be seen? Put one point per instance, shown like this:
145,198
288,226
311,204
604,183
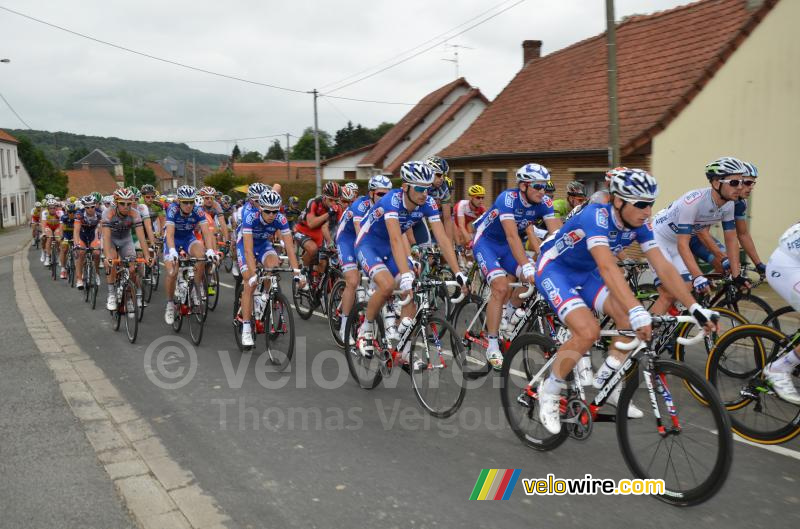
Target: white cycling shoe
549,413
247,338
169,314
613,398
111,302
783,385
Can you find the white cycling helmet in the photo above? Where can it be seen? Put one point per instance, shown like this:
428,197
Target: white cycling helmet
379,182
417,173
186,193
726,166
348,194
269,199
51,203
533,172
254,190
37,204
633,185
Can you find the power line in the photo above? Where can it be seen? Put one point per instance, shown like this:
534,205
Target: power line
415,47
153,57
14,111
229,140
424,50
378,101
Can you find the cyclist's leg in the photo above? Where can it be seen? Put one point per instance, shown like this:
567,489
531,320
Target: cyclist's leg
310,250
197,249
783,275
347,259
81,257
665,299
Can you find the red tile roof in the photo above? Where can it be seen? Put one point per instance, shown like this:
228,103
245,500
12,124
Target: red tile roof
559,102
5,136
161,173
83,181
403,127
440,122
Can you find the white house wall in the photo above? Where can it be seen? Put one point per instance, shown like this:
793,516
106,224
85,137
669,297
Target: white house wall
17,188
336,169
452,129
751,110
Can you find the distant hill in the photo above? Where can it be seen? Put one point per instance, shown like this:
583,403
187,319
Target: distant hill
57,146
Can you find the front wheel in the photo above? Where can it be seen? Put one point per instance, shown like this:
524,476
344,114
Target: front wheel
279,332
365,369
304,299
679,440
130,311
439,386
213,289
198,309
335,311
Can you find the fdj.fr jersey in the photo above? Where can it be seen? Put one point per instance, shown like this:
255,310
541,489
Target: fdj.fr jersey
511,205
391,206
691,213
355,212
185,223
595,226
261,230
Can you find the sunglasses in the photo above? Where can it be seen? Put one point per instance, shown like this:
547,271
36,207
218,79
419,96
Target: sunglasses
421,189
538,187
185,202
379,195
270,211
641,204
735,182
124,204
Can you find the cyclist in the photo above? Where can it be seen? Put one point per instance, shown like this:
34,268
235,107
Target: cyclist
86,222
156,210
313,226
384,252
706,248
783,275
293,211
354,187
498,248
68,230
51,227
550,189
349,226
694,211
576,195
117,223
578,271
254,245
467,211
348,196
36,214
254,191
442,193
183,219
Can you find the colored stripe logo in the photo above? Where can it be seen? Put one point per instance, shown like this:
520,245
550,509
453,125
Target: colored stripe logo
495,484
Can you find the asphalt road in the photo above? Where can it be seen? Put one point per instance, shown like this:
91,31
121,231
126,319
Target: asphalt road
321,452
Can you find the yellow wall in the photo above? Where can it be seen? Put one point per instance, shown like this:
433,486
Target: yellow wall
751,110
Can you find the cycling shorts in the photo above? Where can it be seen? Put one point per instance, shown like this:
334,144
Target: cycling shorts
374,259
567,290
124,246
261,249
669,250
700,251
185,240
345,246
88,237
494,261
67,235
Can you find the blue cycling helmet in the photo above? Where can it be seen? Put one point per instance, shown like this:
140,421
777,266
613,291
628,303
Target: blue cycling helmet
438,164
417,173
633,185
533,172
379,182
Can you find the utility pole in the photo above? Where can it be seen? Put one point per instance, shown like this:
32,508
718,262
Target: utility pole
286,155
613,114
316,145
194,172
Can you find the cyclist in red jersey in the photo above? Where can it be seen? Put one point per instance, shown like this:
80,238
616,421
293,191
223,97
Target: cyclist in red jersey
467,212
314,225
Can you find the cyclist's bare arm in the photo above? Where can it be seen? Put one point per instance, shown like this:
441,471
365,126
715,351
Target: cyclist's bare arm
732,248
687,256
704,236
399,248
746,240
446,246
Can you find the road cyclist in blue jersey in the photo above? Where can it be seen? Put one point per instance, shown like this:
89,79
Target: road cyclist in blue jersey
674,225
577,271
183,218
349,225
384,252
254,246
499,250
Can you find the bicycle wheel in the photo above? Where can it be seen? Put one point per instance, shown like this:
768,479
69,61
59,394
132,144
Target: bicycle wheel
130,311
756,411
526,361
304,302
690,446
116,317
696,355
155,277
335,311
213,286
752,307
440,387
71,268
364,369
54,261
147,284
94,285
279,332
785,319
237,297
198,309
469,323
227,262
87,276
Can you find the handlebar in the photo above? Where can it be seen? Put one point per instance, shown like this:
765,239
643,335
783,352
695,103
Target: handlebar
527,293
683,318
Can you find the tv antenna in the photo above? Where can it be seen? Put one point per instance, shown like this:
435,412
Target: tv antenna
455,48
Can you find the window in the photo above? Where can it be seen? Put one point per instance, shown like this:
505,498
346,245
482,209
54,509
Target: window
499,182
13,207
349,175
458,181
2,162
594,181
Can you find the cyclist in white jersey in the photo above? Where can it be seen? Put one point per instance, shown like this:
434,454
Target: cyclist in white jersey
783,275
697,210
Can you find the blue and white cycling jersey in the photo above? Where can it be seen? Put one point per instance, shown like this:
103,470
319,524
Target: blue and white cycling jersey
373,228
185,223
566,262
262,231
510,205
239,216
356,212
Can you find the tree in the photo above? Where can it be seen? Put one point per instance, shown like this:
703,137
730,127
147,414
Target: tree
44,174
275,152
222,181
350,137
236,153
75,155
138,176
251,157
304,148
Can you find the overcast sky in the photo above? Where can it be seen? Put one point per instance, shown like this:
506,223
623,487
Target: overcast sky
57,81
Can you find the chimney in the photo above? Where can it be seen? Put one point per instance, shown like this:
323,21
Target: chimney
531,49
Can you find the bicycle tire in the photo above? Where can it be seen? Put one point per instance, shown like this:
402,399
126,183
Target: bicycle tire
116,317
95,286
71,269
298,296
364,371
684,426
128,302
513,391
227,262
87,276
213,300
773,320
53,261
681,353
437,333
156,273
335,311
198,309
285,324
147,284
777,421
464,312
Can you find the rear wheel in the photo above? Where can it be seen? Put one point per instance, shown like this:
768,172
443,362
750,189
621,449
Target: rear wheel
440,386
469,323
690,447
335,311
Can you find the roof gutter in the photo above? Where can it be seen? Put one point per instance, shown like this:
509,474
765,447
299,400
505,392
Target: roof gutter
534,154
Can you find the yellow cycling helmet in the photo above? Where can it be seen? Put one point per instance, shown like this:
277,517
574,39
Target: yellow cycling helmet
476,191
73,199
